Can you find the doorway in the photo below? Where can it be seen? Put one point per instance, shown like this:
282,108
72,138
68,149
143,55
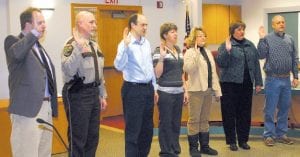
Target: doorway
111,21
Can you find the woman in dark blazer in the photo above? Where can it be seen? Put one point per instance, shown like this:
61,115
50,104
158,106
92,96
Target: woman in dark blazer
239,70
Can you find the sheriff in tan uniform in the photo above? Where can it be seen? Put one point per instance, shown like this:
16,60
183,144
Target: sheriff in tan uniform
84,92
81,64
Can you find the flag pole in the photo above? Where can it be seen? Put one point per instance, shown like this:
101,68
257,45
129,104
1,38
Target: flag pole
187,20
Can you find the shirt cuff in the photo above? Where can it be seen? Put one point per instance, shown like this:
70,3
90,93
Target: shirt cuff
35,32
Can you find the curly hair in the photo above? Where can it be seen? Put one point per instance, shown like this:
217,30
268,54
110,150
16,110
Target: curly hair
191,40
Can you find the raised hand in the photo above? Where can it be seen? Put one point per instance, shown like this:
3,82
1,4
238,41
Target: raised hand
81,42
228,44
162,49
126,36
261,32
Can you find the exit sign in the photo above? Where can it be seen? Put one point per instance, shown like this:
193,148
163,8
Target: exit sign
111,1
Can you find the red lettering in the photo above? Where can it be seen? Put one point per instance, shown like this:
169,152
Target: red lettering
111,1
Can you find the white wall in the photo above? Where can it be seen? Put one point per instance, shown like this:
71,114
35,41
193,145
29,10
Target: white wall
231,2
3,33
254,13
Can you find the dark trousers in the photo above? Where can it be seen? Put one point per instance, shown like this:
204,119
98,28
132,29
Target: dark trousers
83,114
236,104
138,103
170,110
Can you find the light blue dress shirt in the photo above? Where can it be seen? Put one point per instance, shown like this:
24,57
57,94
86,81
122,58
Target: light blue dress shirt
135,61
36,33
47,94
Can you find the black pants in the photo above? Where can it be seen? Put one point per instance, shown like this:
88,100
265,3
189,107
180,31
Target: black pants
236,104
170,110
83,113
138,103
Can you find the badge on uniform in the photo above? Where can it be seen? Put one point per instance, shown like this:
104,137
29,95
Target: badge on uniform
68,49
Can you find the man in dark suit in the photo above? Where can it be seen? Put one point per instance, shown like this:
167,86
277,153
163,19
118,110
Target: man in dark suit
32,88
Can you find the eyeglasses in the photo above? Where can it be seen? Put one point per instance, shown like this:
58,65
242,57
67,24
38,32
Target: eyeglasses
201,36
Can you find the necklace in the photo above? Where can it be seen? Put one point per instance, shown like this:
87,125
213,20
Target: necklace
173,52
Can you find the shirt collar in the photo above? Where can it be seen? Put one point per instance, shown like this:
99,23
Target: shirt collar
138,42
279,34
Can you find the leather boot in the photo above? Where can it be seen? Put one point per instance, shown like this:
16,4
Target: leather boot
193,143
204,144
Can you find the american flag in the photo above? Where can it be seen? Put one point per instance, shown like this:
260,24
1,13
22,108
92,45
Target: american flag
187,22
187,29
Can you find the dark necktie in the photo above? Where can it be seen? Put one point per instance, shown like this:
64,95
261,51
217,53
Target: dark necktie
46,65
97,80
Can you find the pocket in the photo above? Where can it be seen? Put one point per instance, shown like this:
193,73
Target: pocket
268,81
88,63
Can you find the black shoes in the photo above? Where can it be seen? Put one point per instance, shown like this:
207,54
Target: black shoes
244,146
204,144
233,147
209,151
193,144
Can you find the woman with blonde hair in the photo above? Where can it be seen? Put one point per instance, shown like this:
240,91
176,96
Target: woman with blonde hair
202,84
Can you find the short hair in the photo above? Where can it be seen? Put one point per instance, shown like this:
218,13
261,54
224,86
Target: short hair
26,16
165,28
191,40
82,14
132,19
276,16
235,25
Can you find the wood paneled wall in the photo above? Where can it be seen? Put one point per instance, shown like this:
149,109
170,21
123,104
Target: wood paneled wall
216,21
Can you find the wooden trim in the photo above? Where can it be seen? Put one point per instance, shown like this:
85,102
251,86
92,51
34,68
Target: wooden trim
4,104
109,68
100,7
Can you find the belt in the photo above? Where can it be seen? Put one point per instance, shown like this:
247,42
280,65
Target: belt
92,84
46,99
279,75
138,84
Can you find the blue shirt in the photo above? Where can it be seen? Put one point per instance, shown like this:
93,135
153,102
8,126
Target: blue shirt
135,61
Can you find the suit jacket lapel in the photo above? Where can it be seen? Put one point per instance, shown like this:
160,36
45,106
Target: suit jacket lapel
49,59
49,62
37,56
33,50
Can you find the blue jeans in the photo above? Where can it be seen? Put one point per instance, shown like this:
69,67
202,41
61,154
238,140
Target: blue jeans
278,95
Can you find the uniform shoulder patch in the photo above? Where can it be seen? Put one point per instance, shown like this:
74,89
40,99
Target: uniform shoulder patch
68,49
